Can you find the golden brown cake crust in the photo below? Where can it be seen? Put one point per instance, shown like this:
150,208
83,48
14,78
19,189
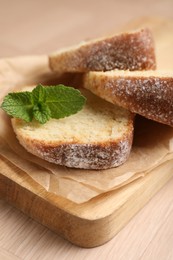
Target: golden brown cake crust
133,51
148,95
85,156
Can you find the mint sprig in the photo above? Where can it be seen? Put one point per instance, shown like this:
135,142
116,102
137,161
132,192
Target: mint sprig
44,103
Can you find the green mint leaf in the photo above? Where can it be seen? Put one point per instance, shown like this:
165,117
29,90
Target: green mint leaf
41,113
19,105
44,103
39,94
63,101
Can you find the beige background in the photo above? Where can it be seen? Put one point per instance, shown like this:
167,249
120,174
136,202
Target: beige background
41,26
36,27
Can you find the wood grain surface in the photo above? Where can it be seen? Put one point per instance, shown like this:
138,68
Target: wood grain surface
149,235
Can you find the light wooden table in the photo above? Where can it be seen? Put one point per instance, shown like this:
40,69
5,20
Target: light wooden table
36,27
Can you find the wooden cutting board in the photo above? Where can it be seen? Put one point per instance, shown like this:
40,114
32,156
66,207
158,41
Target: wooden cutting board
97,221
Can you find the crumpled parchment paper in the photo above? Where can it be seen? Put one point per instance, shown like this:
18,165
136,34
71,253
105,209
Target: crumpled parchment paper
153,142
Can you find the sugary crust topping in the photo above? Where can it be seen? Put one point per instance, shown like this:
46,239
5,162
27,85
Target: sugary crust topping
85,156
148,96
76,155
126,51
133,51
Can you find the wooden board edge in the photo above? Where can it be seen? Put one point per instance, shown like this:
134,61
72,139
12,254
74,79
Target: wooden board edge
81,231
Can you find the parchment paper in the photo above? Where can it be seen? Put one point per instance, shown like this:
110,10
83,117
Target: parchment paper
153,142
